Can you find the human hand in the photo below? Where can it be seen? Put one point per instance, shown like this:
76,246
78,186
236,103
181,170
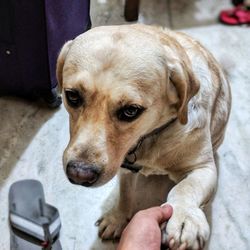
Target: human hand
143,231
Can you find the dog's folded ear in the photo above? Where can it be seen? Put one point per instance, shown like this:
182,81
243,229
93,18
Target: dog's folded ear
186,85
60,63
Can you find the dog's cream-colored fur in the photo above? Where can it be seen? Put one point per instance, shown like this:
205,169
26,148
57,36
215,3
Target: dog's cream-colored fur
170,75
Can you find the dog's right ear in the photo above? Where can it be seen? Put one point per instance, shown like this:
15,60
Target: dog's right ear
60,63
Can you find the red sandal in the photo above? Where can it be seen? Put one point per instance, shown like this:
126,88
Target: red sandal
240,15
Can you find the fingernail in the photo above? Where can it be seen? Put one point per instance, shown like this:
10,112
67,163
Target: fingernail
171,243
183,246
165,205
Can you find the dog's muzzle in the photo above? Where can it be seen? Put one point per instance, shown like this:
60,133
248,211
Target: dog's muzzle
82,174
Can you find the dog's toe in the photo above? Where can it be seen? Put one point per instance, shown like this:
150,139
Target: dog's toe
186,229
111,225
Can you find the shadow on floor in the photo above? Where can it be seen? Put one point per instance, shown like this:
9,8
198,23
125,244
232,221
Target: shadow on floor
20,121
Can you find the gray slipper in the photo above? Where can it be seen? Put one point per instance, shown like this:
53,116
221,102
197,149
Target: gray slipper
33,223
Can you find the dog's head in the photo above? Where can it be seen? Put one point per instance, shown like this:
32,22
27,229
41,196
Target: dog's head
118,84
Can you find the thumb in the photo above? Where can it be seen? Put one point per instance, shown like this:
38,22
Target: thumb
161,214
166,211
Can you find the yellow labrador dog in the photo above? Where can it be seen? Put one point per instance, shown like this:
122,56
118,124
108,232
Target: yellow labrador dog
146,100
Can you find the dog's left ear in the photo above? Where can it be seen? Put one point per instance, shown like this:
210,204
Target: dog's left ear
186,84
60,63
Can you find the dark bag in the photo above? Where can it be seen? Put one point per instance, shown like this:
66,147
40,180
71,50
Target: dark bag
31,35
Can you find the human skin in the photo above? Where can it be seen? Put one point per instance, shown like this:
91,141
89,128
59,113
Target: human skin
143,231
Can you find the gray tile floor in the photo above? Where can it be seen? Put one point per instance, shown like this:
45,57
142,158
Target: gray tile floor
170,13
32,138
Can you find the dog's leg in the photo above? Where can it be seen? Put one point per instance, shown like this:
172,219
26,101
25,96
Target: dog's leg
151,191
112,223
188,227
136,192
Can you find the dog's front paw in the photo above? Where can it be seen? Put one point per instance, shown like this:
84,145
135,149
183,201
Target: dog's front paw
112,224
186,229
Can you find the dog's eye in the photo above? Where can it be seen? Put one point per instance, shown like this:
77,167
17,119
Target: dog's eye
73,98
129,113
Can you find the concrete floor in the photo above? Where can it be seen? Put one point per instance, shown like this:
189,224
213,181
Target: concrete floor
32,138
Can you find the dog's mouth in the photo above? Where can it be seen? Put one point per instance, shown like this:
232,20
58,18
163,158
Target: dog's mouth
82,174
84,184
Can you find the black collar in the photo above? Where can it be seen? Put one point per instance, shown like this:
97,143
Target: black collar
130,164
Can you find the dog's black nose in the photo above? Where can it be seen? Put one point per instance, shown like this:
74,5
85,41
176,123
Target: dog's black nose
81,173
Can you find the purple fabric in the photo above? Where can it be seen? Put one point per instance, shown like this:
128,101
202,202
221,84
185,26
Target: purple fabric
31,36
65,20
